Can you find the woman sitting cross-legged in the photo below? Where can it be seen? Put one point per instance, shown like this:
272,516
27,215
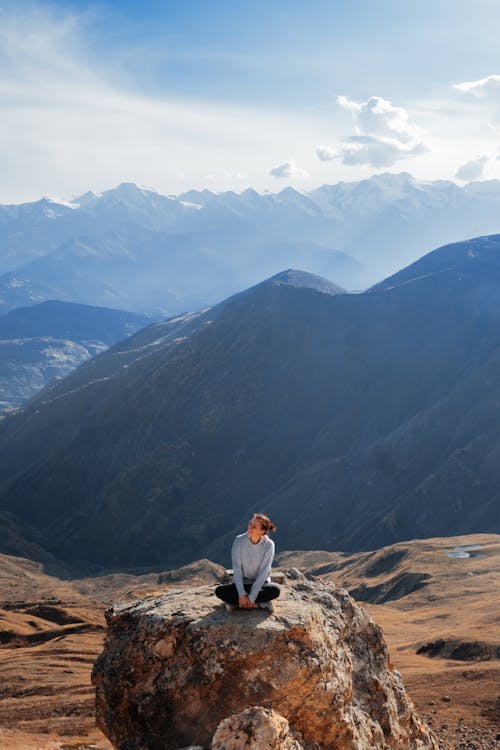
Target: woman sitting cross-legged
252,556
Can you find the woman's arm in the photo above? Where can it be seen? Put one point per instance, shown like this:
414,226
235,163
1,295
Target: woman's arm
264,570
237,567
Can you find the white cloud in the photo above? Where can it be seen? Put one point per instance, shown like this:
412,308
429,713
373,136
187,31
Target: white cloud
288,169
378,152
378,117
484,97
489,86
325,153
383,135
472,170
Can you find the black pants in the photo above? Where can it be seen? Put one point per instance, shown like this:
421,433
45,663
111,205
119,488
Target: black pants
229,593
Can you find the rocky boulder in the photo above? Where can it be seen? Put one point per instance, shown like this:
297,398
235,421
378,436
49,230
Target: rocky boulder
175,666
255,728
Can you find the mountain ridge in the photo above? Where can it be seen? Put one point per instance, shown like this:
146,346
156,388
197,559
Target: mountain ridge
355,420
49,340
195,249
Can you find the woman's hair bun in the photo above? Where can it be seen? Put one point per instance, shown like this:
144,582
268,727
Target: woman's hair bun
267,524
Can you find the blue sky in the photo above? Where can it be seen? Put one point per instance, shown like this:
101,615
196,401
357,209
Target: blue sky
219,94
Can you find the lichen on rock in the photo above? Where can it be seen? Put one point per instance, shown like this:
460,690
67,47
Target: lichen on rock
177,665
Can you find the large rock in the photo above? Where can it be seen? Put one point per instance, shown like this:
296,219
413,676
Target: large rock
176,665
255,729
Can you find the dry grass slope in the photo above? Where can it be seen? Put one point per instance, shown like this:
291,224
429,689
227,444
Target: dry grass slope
51,631
421,596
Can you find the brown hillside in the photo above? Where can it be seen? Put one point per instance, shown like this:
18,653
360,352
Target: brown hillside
51,631
445,606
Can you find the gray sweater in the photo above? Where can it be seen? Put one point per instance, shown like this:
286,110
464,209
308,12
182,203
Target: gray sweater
251,563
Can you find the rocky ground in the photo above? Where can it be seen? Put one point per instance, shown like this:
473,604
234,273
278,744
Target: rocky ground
52,629
462,706
421,593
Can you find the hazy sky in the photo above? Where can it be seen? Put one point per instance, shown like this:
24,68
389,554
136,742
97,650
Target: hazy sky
227,94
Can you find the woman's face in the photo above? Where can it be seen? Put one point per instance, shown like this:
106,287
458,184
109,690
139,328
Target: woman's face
255,530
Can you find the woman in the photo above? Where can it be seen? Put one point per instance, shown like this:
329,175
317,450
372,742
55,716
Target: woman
252,555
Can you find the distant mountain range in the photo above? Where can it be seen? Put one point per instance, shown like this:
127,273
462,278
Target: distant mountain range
354,420
48,340
134,249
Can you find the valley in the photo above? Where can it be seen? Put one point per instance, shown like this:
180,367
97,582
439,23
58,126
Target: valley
52,628
46,341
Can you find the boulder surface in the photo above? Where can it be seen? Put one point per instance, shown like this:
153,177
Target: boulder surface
255,729
175,666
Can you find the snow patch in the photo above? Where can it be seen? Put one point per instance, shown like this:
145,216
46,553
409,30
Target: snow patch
187,204
15,283
418,278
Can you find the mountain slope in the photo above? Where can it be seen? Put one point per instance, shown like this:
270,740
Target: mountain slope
164,274
51,339
354,420
72,321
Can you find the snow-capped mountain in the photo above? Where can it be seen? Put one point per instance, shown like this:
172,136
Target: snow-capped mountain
133,248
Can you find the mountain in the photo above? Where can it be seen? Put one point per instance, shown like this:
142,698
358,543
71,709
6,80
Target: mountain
71,321
354,420
132,248
30,230
48,340
158,273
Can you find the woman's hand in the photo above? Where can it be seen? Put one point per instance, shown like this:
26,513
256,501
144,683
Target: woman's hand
245,603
